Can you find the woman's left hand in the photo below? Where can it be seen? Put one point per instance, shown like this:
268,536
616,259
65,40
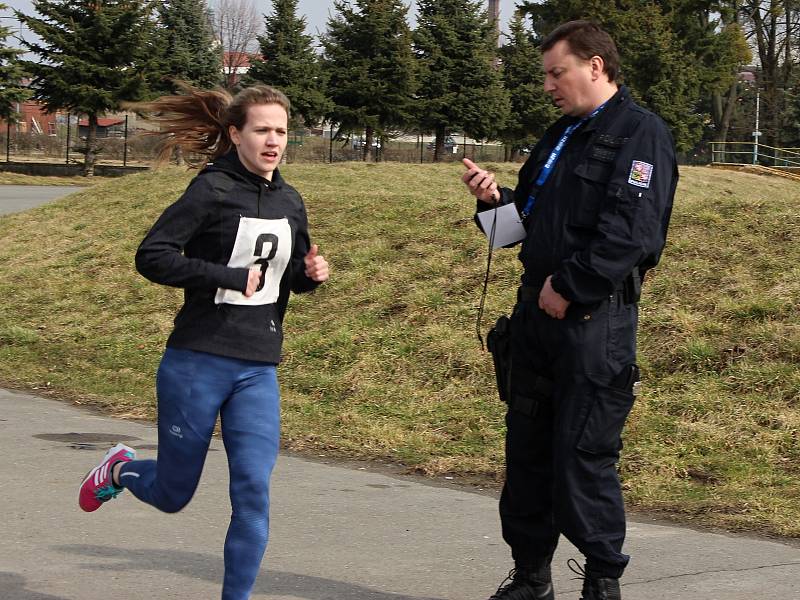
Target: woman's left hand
316,265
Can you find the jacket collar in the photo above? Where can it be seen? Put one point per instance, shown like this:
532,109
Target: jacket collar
621,97
230,163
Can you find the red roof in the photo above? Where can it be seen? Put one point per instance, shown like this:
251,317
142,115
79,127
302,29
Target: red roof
238,59
102,121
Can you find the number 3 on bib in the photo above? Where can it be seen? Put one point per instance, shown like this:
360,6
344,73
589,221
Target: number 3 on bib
265,243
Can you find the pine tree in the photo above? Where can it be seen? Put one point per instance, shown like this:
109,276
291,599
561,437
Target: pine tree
93,55
532,111
11,74
711,47
674,53
370,64
289,62
460,82
661,75
187,48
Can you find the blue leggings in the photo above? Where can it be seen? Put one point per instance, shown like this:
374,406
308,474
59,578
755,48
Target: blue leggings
192,388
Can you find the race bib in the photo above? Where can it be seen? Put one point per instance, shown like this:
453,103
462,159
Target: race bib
263,243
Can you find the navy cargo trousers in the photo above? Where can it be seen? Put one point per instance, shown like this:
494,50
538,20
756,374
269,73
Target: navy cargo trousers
563,438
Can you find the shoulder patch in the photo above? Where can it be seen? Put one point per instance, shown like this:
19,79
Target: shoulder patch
641,173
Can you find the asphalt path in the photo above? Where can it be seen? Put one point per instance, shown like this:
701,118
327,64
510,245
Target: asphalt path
16,198
337,532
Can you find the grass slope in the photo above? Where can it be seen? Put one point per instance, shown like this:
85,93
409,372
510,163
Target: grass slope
19,179
383,360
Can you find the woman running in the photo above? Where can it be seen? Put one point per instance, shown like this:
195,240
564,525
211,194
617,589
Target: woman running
237,242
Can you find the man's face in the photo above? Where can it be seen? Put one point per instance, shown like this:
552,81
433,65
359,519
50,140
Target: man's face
569,80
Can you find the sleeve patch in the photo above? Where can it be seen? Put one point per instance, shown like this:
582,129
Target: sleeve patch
641,173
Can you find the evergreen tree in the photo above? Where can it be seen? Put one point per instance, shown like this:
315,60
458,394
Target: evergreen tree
93,55
289,62
11,74
370,66
532,110
654,67
675,54
187,49
460,82
714,44
661,75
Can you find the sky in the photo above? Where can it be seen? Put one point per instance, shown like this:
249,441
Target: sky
315,11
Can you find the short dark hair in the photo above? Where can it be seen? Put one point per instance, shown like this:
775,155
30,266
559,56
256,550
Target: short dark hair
585,40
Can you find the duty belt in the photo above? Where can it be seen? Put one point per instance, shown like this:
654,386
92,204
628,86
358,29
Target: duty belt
630,288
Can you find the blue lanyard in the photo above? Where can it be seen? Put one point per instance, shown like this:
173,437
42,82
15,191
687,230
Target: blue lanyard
553,158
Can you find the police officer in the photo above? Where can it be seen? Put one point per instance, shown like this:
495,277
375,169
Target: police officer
595,196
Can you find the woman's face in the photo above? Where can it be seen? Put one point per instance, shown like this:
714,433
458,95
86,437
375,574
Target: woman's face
262,140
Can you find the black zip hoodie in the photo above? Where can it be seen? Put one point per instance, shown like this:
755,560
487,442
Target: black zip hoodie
227,221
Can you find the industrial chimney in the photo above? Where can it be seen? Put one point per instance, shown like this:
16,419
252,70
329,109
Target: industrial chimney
494,16
494,9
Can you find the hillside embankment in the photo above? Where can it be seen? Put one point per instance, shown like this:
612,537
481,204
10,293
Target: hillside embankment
383,361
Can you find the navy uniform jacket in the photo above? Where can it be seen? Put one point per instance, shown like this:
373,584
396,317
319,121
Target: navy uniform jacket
605,208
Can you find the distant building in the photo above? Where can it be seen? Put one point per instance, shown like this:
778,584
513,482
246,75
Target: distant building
106,127
235,65
747,76
34,119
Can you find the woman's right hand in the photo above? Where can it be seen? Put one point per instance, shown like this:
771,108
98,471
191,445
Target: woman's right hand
253,281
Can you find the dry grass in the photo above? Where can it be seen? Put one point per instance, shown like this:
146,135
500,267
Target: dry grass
383,361
19,179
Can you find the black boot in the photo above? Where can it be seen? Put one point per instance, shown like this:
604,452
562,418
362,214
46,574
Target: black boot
601,588
596,587
526,583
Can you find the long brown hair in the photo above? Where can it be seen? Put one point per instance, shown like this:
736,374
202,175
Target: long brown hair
197,120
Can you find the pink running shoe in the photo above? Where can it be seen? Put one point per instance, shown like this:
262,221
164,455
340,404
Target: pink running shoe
97,487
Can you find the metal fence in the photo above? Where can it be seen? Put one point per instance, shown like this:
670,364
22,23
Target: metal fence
142,149
60,148
754,153
312,148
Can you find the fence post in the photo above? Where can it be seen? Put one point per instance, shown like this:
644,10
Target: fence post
69,128
757,132
125,145
8,141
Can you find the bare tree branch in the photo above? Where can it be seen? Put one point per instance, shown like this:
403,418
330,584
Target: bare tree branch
237,26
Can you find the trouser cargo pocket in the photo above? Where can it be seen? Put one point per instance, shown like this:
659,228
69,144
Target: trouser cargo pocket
609,408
